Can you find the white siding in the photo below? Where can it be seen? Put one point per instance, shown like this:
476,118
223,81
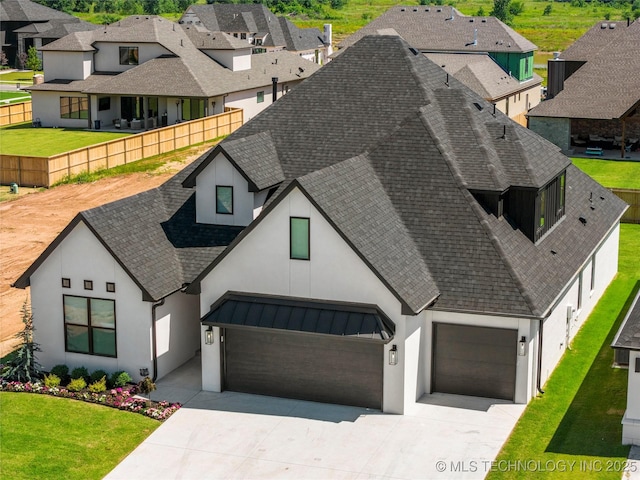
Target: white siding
631,419
66,65
557,331
261,264
107,59
46,107
235,60
133,316
221,172
247,99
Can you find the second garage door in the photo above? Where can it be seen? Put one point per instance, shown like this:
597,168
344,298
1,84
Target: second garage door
478,361
312,367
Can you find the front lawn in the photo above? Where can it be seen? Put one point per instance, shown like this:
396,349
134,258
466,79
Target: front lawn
578,417
611,173
20,76
14,96
48,437
22,139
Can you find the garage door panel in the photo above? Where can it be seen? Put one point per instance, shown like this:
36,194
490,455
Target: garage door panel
478,361
304,366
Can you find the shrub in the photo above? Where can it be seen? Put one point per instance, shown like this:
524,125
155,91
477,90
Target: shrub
98,386
77,384
547,10
119,379
97,375
80,372
52,380
146,385
62,372
24,366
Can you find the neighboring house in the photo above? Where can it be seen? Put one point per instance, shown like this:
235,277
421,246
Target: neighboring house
481,52
261,28
28,24
627,349
146,71
378,234
594,91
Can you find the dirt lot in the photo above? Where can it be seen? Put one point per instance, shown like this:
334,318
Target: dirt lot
29,223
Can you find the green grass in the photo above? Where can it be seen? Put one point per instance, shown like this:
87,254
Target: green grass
611,173
22,139
22,76
578,417
4,95
48,437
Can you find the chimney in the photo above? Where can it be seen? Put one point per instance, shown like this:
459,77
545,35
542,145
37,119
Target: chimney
274,92
452,16
327,37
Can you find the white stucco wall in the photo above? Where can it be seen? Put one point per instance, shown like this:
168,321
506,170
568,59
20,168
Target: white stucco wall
133,316
221,172
66,65
631,418
557,331
46,106
525,365
235,60
247,99
261,264
177,331
107,59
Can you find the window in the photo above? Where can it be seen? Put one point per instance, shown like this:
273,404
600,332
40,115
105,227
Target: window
88,285
224,200
111,287
128,55
243,36
580,291
563,180
74,107
90,325
593,273
299,238
543,207
104,103
260,97
66,283
193,108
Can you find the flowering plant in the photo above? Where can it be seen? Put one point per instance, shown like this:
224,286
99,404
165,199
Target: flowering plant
122,398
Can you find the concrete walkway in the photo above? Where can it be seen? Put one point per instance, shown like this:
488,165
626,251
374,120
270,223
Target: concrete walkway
235,435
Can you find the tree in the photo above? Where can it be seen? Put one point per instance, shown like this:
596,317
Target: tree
501,11
480,12
33,61
547,10
24,366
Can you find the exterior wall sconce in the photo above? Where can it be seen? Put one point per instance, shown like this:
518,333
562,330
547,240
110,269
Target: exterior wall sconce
208,336
393,355
522,346
144,372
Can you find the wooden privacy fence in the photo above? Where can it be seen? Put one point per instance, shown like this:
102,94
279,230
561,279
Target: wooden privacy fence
45,171
15,113
632,197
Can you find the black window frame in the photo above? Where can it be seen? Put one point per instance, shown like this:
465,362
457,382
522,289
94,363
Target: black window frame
90,328
110,287
66,283
232,199
75,106
550,205
308,256
260,96
131,58
88,284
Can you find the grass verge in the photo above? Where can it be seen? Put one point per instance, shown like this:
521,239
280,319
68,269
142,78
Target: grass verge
578,418
48,437
22,139
611,173
5,95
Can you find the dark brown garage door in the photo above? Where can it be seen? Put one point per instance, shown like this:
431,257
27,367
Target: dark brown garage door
476,361
321,368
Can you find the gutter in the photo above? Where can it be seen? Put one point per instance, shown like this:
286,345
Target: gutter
539,369
154,346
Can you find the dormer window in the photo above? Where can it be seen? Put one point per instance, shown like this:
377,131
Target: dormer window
128,55
550,205
224,199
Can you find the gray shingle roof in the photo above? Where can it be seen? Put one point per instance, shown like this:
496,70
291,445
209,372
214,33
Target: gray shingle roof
397,139
628,335
154,237
256,18
607,86
56,28
27,11
432,28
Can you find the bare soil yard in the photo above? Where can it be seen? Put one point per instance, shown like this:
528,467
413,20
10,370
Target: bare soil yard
31,222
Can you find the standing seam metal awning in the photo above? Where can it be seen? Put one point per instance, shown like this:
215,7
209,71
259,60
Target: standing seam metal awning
301,315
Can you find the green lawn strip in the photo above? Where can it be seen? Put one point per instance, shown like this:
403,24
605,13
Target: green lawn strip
22,139
5,95
578,417
21,76
611,173
48,437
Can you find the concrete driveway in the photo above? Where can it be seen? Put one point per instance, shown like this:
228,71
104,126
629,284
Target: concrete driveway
234,435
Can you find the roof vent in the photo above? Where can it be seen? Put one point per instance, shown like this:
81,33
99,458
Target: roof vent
583,220
556,55
415,9
471,20
603,26
439,10
478,106
484,20
403,9
427,9
612,26
414,51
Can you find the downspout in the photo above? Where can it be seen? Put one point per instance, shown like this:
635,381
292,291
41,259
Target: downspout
539,375
154,347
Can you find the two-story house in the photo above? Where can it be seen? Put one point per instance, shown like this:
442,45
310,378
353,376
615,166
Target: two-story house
261,28
147,71
394,237
483,53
